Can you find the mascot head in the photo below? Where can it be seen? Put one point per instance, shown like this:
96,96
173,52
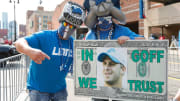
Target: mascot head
102,8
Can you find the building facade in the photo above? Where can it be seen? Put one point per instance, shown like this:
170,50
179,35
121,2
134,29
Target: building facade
166,18
0,24
11,31
131,8
38,20
4,20
3,34
22,30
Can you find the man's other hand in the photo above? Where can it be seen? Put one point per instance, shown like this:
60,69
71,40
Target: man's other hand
37,55
123,39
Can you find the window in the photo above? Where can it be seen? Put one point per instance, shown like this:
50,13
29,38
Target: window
45,17
31,24
45,26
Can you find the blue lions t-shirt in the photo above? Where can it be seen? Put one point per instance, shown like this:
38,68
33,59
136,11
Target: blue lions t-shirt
50,76
118,32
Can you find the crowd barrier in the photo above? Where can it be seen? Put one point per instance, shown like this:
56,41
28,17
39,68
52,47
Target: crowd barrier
13,74
174,59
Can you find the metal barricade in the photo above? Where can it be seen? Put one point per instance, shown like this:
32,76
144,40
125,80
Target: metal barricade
174,59
13,74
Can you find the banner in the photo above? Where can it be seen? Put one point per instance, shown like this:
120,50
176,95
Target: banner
141,9
136,70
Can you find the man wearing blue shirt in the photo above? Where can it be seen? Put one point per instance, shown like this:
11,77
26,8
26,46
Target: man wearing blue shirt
52,56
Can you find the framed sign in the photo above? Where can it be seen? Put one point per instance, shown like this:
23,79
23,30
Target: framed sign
136,70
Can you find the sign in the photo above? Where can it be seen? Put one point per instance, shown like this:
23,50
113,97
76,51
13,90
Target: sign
136,70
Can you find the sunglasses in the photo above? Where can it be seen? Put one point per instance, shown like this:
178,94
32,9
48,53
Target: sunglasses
67,24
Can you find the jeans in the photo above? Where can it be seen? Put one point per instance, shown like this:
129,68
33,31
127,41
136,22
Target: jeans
95,99
99,100
42,96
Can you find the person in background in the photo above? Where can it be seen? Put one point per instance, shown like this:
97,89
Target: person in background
102,18
52,56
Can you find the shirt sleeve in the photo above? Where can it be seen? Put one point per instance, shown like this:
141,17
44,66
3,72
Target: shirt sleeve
132,34
34,39
90,35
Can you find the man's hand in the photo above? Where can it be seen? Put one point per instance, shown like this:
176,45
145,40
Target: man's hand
123,39
37,55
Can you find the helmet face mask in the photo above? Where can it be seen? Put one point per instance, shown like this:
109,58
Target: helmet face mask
66,30
105,22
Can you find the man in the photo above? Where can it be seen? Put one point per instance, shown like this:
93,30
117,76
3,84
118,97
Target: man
46,77
114,66
102,18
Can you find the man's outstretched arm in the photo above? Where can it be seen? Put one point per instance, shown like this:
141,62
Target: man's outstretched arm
36,55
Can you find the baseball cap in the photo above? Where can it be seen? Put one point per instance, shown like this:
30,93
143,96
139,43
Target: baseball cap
117,55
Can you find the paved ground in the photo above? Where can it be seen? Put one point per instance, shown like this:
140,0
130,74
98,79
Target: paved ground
173,83
173,86
70,88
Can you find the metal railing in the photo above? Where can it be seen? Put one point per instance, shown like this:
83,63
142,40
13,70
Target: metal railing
13,74
174,59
